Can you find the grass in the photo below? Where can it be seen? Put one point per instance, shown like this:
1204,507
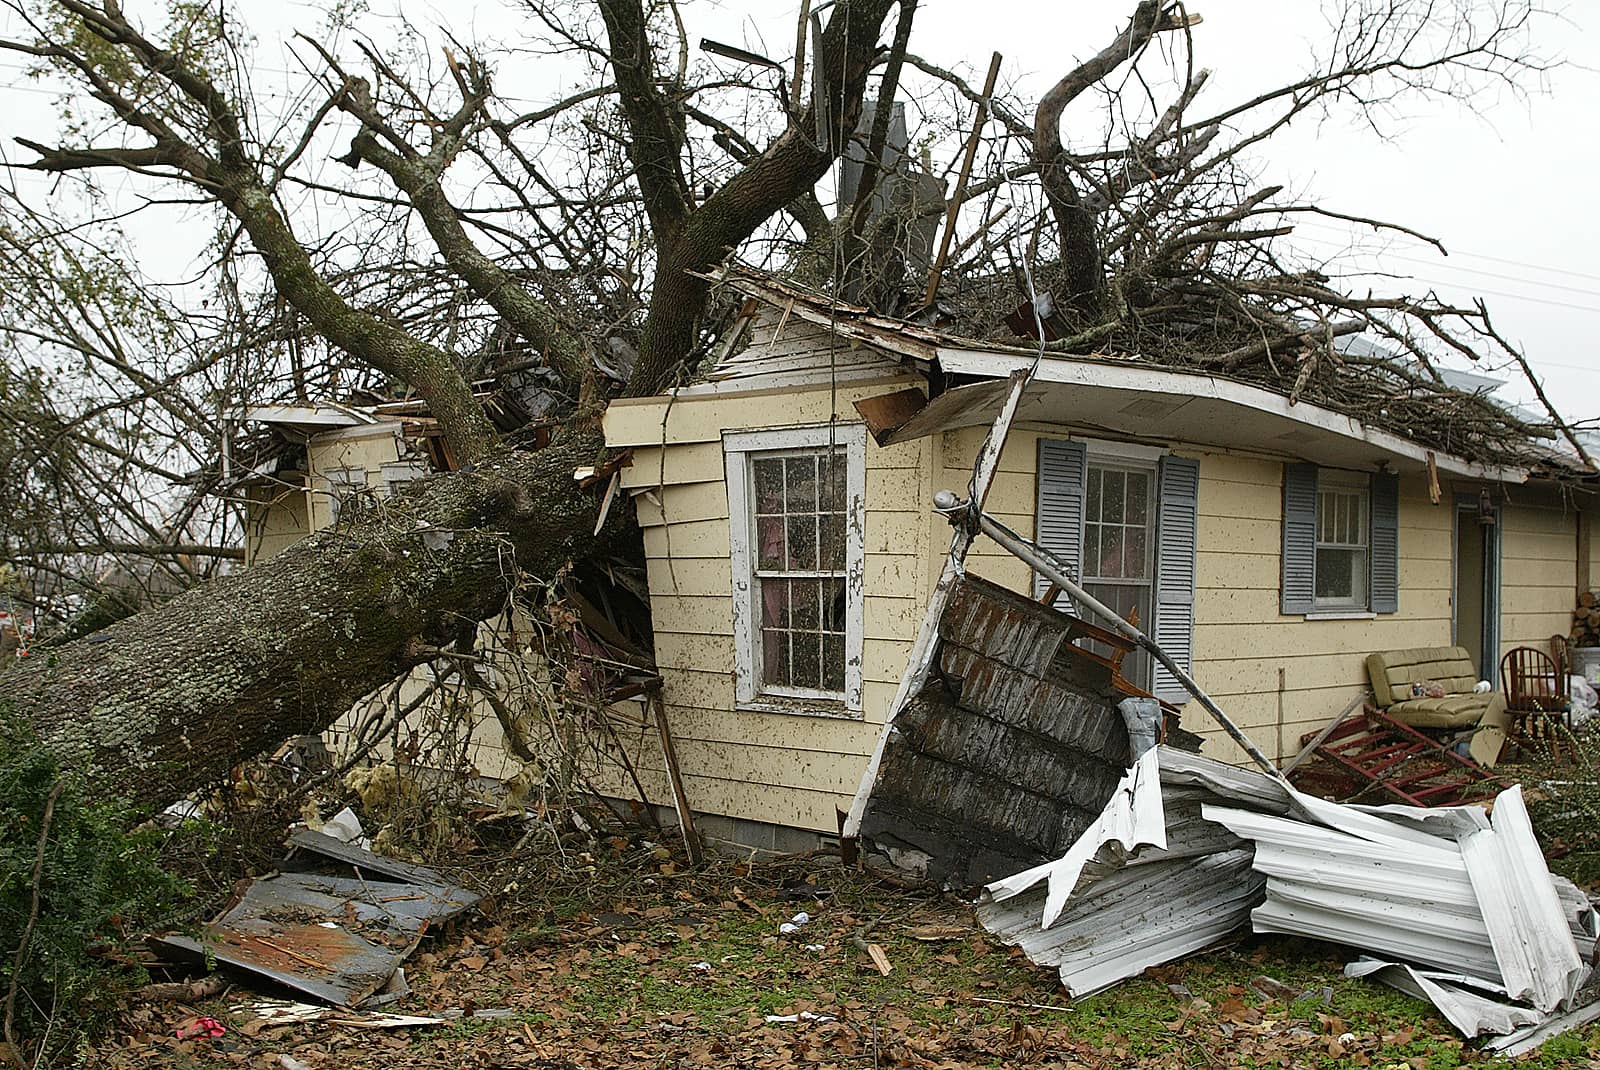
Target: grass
600,970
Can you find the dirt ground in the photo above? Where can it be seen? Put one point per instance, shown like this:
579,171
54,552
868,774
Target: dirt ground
629,960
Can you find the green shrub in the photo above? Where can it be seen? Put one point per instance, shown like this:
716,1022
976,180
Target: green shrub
97,884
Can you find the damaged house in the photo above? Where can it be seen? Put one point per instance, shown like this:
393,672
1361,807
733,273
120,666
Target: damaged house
1269,544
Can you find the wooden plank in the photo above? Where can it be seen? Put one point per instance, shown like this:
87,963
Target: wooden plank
683,503
692,614
689,576
680,799
886,412
1321,737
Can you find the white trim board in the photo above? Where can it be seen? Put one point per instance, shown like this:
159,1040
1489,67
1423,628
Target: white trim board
1189,386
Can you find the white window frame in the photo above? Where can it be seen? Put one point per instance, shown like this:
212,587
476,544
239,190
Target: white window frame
739,449
1127,457
1338,481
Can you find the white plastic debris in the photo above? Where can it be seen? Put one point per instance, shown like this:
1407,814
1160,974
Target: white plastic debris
803,1016
794,924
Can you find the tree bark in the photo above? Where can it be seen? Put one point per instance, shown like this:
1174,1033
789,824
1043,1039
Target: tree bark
168,700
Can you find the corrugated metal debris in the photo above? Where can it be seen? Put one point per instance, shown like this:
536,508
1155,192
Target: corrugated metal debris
1457,904
1177,883
334,937
1007,753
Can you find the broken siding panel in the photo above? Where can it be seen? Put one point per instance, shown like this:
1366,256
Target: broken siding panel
697,462
681,503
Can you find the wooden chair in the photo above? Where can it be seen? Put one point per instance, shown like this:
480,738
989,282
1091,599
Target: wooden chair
1537,700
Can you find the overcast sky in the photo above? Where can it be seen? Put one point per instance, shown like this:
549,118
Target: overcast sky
1508,187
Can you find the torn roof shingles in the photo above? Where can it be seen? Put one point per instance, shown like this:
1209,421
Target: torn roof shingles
1010,751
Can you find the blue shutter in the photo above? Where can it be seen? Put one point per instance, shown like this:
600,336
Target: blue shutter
1299,592
1177,535
1058,522
1385,544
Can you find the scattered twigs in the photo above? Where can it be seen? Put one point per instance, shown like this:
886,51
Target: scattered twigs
20,959
967,156
183,991
1533,380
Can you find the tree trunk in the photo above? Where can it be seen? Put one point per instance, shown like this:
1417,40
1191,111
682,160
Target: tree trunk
168,700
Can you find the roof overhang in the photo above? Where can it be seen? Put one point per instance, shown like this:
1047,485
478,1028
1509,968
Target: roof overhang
1130,399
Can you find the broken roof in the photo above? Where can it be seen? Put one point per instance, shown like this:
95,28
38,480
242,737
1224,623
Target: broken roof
1362,406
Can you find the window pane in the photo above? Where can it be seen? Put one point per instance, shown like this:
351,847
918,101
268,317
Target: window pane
833,661
1091,508
1134,563
1111,551
807,667
774,596
804,596
803,542
1111,508
774,657
769,485
1091,549
1336,574
832,472
1139,498
833,605
831,552
769,542
800,485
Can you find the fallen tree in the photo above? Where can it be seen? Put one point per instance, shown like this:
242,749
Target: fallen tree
589,262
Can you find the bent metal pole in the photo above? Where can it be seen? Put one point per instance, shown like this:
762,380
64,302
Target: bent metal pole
1054,570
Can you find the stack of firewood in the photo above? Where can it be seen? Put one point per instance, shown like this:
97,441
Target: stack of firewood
1586,620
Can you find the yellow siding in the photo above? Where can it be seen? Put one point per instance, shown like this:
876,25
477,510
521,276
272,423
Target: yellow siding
1538,569
1242,642
790,769
274,520
1278,676
276,517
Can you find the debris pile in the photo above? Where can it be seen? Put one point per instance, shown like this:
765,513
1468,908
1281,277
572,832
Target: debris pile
1455,906
335,924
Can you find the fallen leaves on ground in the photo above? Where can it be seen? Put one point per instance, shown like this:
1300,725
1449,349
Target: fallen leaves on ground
683,969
